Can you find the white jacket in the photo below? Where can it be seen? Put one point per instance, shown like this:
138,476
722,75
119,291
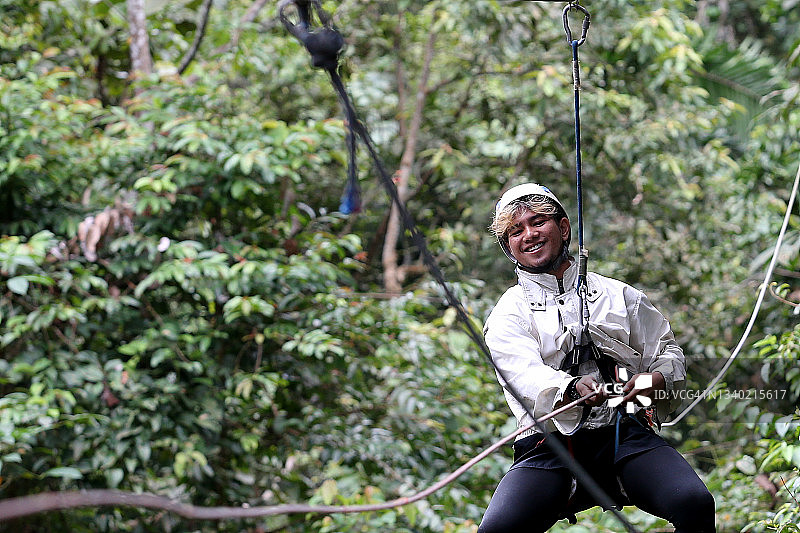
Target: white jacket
533,327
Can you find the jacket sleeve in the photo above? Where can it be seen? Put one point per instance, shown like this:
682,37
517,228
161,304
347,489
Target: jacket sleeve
519,365
651,335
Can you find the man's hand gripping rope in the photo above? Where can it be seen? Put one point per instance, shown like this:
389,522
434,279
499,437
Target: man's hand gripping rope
631,390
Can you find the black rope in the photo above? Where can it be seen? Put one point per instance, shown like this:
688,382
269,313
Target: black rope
301,31
325,43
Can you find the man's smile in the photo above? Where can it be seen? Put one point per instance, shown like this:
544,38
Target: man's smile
535,247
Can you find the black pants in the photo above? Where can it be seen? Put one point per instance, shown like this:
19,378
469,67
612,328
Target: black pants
658,481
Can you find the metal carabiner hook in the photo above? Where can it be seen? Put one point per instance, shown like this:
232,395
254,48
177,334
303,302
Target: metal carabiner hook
586,21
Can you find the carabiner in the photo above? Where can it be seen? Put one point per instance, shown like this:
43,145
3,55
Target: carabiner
586,21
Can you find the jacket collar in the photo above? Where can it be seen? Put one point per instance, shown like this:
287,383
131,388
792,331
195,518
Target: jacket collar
538,286
548,282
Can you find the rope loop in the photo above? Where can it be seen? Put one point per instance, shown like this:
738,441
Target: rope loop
324,43
586,20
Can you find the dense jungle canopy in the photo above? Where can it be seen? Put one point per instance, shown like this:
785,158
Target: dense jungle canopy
185,311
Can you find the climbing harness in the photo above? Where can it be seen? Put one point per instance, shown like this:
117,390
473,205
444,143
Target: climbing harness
325,49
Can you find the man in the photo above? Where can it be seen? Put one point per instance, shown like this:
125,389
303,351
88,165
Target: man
631,359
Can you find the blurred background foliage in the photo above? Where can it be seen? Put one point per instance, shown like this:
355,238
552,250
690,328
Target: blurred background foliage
184,310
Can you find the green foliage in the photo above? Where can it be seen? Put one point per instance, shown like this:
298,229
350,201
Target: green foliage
218,343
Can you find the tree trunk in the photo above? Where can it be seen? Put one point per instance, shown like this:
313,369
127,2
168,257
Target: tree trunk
725,31
702,12
141,63
393,274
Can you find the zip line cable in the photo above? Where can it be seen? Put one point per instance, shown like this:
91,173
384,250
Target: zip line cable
55,501
757,308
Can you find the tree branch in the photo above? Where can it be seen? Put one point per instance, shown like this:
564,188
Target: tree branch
198,37
249,16
400,76
781,298
467,95
53,501
787,273
472,75
391,275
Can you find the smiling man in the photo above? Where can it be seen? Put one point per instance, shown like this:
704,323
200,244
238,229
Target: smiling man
531,332
538,241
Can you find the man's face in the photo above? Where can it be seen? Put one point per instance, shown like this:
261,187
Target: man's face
535,239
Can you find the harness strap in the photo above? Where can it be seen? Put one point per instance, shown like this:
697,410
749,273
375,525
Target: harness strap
589,352
580,354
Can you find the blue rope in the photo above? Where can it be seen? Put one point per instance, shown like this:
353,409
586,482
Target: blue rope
578,172
583,312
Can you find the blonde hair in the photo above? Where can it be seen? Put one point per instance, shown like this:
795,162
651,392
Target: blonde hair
537,203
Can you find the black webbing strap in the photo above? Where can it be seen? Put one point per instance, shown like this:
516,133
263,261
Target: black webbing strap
325,52
582,353
589,352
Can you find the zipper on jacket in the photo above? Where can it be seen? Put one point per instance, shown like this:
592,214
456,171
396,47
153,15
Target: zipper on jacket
560,285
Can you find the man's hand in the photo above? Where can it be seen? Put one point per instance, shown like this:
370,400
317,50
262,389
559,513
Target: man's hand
588,384
630,391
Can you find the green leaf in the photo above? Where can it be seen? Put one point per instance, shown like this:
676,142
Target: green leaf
411,512
788,452
18,285
328,491
64,472
246,163
13,457
135,347
114,477
244,388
